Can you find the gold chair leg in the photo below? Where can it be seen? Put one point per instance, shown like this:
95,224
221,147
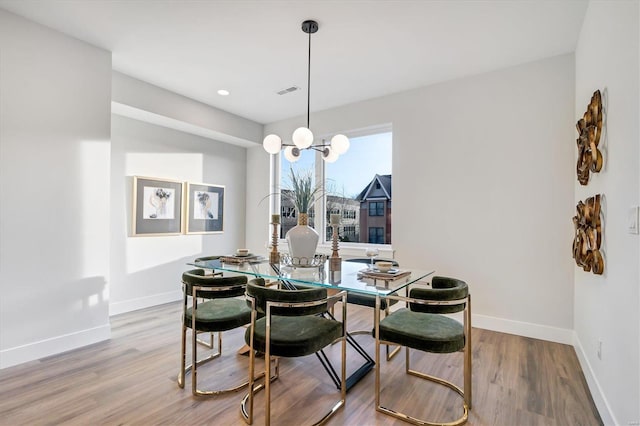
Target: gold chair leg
467,354
246,406
391,354
183,356
194,372
247,413
210,343
195,363
407,418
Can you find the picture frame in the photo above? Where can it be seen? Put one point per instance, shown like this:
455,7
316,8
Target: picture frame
157,206
204,212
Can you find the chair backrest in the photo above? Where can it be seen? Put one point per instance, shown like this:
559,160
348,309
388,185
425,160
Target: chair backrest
367,260
442,289
197,277
262,295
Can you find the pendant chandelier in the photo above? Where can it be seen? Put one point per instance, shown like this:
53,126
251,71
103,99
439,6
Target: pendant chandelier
302,136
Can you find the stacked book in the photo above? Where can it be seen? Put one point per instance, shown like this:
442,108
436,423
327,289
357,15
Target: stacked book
391,274
239,259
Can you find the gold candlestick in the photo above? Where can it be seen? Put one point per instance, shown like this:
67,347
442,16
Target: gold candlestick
274,256
335,260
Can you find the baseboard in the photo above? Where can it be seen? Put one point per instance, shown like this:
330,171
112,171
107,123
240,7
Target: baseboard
525,329
143,302
606,414
55,345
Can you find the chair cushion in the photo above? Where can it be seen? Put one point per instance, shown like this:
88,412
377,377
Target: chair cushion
295,336
422,331
368,300
220,315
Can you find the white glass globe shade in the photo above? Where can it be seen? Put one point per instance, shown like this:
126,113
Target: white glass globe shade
332,155
302,137
272,144
290,156
340,144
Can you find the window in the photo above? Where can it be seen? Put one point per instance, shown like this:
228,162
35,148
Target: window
353,177
287,210
376,208
348,182
376,235
349,214
349,234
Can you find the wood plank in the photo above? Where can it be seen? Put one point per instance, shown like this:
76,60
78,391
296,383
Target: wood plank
130,379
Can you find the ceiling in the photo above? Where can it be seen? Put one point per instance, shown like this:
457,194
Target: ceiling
363,49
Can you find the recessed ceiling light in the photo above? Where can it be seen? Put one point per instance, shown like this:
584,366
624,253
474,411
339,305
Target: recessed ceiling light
223,92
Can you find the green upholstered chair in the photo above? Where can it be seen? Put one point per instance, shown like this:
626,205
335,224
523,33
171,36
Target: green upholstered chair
220,311
292,326
369,300
203,342
423,326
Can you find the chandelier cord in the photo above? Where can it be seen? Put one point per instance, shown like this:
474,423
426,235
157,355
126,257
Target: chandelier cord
309,81
303,138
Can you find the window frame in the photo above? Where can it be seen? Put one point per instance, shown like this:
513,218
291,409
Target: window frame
320,221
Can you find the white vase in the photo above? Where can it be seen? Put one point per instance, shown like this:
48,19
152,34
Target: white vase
303,241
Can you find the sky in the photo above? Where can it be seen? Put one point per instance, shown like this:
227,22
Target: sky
366,157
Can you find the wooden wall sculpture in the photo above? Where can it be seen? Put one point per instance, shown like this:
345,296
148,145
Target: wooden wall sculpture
588,235
589,129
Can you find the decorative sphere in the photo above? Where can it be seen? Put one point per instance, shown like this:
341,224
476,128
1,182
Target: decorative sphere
330,155
292,154
302,137
272,144
340,144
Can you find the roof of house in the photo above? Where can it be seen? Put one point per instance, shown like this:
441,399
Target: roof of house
370,191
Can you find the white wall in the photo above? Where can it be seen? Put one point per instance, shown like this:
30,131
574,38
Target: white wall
606,307
145,271
483,187
55,94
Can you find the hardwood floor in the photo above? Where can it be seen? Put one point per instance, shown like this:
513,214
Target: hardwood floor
131,379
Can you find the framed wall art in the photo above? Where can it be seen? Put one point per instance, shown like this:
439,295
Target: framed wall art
157,206
204,208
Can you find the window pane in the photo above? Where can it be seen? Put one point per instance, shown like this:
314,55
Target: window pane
363,171
287,210
376,235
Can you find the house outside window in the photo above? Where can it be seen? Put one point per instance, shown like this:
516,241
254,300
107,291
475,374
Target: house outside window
375,210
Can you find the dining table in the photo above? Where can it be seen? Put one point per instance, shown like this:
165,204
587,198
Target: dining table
333,274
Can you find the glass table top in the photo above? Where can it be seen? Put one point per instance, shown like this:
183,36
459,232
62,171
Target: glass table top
351,276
